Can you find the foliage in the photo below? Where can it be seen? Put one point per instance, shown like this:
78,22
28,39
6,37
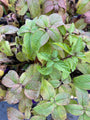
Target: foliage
49,47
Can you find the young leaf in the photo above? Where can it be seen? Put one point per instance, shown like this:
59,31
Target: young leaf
62,98
59,113
62,29
38,118
74,109
45,70
64,46
10,79
34,7
44,108
14,114
36,41
47,90
82,82
82,96
72,28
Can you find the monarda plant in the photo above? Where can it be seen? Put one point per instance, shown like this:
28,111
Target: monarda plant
54,76
55,51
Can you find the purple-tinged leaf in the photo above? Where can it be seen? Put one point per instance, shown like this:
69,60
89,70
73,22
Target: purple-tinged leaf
87,17
48,6
14,114
61,3
10,79
32,89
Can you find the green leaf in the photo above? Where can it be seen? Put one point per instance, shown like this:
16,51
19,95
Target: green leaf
54,34
45,70
5,48
82,96
55,75
44,108
56,20
62,66
59,113
80,24
84,68
32,89
62,98
72,63
38,118
62,29
72,28
43,21
10,79
34,7
88,111
74,109
83,6
14,114
77,46
8,29
21,7
23,29
47,90
43,56
40,40
64,46
54,83
27,50
24,103
30,74
82,82
21,57
27,113
84,117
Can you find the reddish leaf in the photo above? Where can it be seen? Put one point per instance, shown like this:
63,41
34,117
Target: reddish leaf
48,6
87,17
4,2
61,3
10,79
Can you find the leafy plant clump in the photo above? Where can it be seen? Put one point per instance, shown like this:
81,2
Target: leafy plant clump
45,61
